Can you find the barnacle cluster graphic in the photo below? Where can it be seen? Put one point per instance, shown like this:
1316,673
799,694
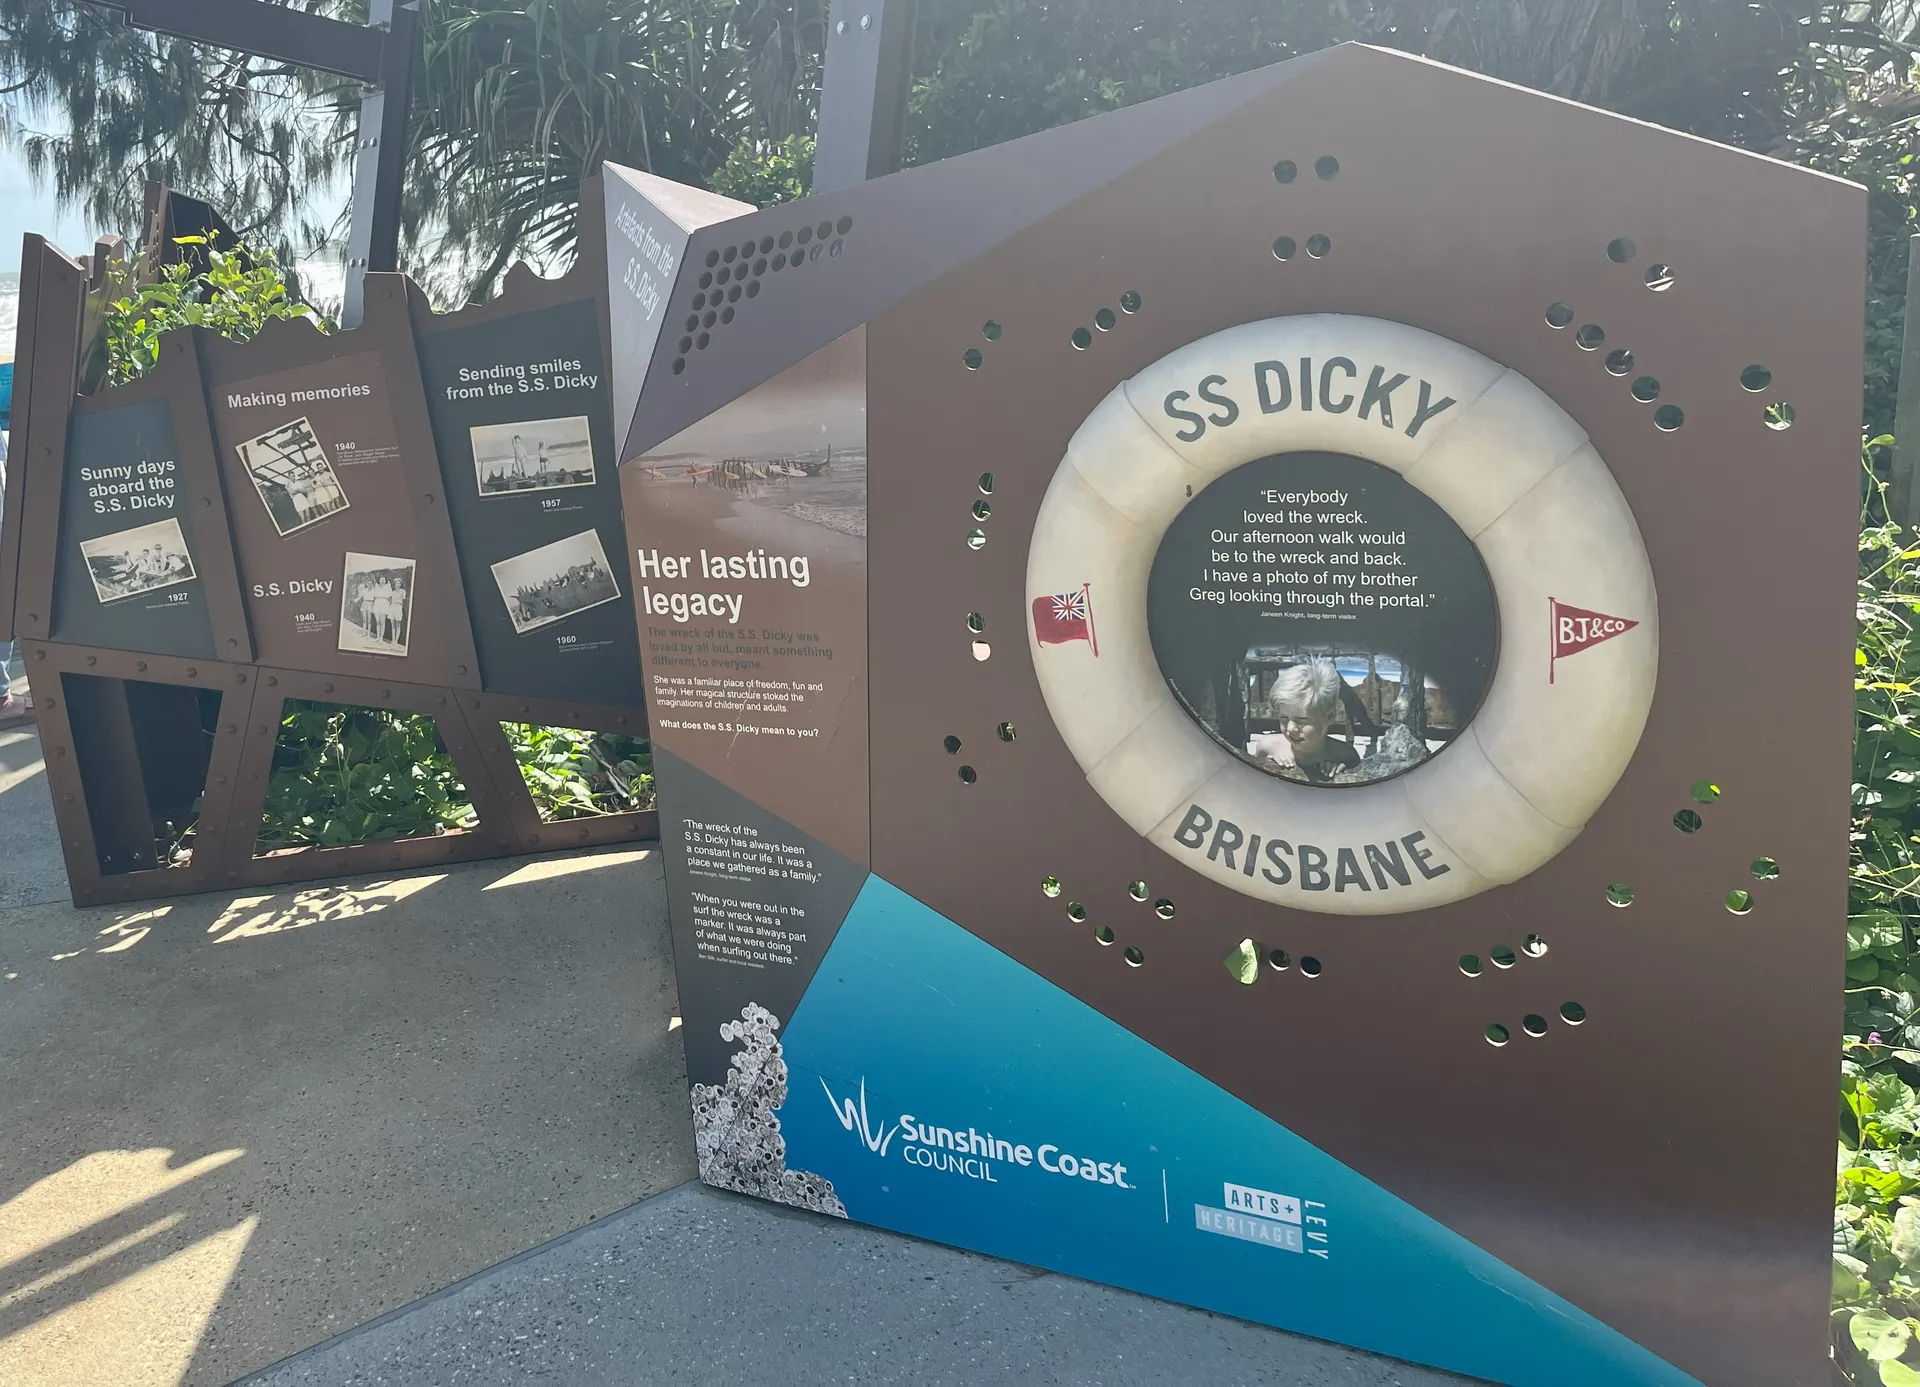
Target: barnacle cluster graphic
735,1130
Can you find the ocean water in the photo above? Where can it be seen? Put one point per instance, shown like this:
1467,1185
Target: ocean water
9,313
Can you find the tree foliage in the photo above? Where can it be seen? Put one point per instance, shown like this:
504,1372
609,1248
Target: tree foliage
231,292
516,101
98,108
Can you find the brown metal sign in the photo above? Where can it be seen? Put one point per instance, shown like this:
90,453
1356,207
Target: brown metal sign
1207,954
256,522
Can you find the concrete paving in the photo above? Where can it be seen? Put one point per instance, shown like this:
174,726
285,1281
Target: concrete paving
232,1126
236,1126
697,1286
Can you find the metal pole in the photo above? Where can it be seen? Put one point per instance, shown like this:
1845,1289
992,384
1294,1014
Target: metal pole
269,31
863,92
373,236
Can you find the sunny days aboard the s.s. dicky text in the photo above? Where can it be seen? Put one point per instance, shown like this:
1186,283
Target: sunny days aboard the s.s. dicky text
755,565
149,485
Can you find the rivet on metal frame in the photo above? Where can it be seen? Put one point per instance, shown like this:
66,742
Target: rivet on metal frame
140,665
93,659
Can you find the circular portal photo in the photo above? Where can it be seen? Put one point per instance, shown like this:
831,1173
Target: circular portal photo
1322,620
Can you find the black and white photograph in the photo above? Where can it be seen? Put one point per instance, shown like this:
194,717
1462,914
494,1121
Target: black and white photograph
291,473
131,562
556,580
376,604
532,455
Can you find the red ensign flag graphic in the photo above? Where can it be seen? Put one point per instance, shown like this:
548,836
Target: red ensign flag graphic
1065,616
1576,629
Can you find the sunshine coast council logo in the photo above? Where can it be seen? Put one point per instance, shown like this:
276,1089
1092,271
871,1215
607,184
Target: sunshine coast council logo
855,1118
964,1151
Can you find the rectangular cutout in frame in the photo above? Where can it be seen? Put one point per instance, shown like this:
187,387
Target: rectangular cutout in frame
556,580
293,476
345,774
532,455
142,749
573,773
376,604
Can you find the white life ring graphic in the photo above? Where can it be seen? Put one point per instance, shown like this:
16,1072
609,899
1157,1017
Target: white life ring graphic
1568,569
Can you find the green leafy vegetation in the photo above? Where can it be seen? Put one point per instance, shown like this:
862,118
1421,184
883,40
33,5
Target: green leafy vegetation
358,775
769,175
572,773
344,774
234,292
1876,1226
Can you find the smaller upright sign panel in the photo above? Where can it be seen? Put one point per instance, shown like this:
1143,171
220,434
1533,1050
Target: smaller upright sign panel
649,221
519,407
322,519
128,578
748,536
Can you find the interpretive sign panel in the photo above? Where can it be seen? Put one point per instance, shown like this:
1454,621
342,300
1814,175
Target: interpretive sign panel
1281,631
520,415
749,572
127,577
750,580
312,466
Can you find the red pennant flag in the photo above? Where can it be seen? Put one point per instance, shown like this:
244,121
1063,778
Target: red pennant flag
1576,629
1065,616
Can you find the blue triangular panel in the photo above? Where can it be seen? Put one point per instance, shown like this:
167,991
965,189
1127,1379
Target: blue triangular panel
934,1029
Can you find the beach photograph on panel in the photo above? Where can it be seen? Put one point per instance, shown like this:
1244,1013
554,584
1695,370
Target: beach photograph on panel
130,562
556,580
293,477
794,449
532,455
376,604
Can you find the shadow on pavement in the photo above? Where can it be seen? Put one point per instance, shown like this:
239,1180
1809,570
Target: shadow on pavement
238,1124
